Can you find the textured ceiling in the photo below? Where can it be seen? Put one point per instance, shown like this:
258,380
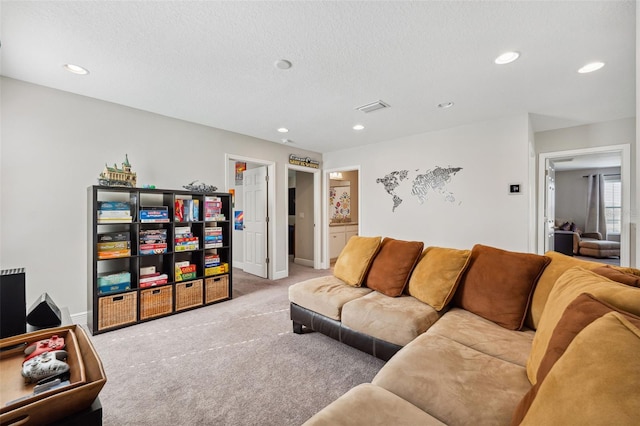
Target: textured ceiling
213,62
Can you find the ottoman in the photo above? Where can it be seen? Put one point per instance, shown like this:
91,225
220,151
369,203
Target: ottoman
599,248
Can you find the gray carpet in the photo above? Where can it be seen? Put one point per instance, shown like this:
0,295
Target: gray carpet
232,363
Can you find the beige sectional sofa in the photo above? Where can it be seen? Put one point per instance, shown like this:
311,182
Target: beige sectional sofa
500,346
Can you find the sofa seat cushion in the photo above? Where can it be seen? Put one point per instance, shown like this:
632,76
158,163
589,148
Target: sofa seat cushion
454,383
367,404
397,320
485,336
325,295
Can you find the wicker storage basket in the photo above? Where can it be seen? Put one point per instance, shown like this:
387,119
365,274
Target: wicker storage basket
116,310
216,288
188,295
156,301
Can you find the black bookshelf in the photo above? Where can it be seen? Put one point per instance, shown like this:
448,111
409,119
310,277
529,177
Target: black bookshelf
120,246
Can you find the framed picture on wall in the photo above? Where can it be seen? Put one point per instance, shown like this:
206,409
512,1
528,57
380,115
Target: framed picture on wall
240,167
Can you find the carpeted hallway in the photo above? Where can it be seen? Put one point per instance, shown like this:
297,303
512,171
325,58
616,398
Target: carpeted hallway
233,363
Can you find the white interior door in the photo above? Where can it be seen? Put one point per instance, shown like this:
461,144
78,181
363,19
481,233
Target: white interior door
550,205
255,221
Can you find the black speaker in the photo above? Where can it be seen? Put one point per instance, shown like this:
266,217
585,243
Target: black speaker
13,305
44,312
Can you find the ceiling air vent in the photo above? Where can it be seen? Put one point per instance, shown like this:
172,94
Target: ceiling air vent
373,106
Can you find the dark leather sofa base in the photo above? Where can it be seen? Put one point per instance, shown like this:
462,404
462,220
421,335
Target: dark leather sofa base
314,321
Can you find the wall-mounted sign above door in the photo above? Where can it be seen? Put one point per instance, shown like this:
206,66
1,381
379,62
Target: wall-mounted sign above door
303,161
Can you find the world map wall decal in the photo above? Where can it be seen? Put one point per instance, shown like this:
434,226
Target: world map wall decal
435,180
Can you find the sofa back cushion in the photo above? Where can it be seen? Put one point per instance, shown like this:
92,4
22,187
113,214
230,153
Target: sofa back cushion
355,259
570,285
595,381
437,275
392,266
498,284
620,275
559,264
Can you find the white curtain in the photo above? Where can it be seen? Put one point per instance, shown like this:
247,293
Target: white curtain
596,221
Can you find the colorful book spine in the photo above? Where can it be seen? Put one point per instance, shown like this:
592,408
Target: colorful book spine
113,236
113,205
114,254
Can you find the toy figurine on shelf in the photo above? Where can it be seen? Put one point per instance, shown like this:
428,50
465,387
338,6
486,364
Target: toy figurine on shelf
200,187
114,176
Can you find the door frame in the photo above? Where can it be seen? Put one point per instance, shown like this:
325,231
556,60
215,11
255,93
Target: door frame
326,261
317,242
271,196
625,178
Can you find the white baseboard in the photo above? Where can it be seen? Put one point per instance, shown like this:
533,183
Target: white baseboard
303,262
80,318
239,265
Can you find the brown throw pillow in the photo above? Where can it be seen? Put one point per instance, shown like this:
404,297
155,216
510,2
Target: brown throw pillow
392,266
437,275
498,284
618,276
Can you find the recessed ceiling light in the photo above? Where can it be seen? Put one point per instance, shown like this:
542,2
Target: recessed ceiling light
283,64
287,141
358,127
507,58
445,105
283,130
76,69
593,66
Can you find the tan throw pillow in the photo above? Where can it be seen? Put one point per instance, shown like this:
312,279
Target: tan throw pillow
392,266
437,275
570,285
584,310
497,284
618,275
354,260
559,264
597,379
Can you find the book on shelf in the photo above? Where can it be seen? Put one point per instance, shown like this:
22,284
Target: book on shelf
112,278
114,245
155,214
157,248
147,270
153,279
181,230
186,247
113,213
211,260
152,236
213,209
113,254
113,236
123,219
114,288
185,272
216,270
187,210
114,205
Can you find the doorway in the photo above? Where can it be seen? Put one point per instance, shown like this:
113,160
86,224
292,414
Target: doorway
260,262
548,203
303,216
341,210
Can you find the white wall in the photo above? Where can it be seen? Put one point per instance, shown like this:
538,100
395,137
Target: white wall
54,145
616,132
492,155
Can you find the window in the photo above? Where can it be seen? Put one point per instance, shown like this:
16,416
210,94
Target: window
613,203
